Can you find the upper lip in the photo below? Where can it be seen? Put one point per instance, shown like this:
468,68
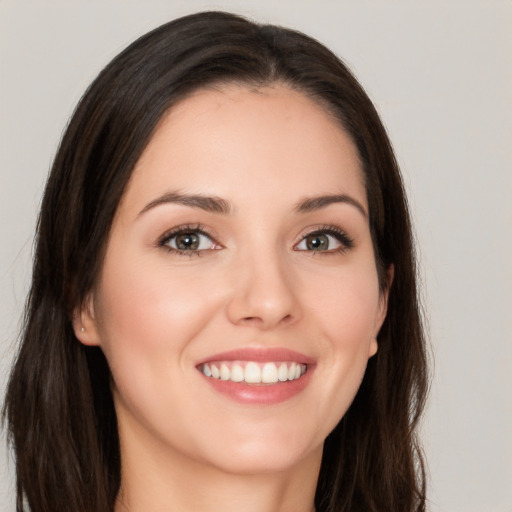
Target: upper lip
260,355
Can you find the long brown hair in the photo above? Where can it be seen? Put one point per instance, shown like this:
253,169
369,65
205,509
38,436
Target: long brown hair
59,408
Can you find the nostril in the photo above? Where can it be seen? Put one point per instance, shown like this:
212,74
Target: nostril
252,319
259,320
286,318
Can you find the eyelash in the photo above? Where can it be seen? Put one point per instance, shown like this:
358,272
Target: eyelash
182,230
346,242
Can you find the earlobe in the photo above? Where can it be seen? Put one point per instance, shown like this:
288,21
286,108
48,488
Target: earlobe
373,348
383,300
382,310
84,323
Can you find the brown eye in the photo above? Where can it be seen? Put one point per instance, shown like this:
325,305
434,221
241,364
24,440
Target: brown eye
187,242
317,242
320,242
328,240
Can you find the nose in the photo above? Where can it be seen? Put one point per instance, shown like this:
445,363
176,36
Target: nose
264,294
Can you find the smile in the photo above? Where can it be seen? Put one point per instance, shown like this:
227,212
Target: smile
258,376
252,372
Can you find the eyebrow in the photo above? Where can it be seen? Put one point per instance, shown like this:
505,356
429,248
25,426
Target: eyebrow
316,203
218,205
206,203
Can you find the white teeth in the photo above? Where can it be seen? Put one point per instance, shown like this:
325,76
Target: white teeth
269,373
215,372
282,373
291,371
237,373
254,373
225,374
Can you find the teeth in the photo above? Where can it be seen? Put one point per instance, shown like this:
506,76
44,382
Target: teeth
237,373
225,374
282,373
269,373
291,371
215,371
254,373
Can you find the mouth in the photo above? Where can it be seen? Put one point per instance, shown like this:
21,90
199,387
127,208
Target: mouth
254,372
258,376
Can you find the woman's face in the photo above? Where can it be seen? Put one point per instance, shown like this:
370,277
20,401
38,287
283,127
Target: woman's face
239,300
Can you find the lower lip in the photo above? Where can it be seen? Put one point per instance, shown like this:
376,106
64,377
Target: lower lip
260,394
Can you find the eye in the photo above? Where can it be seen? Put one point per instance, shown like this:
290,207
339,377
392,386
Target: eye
191,240
325,240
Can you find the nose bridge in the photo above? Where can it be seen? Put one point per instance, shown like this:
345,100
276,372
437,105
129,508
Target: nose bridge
264,293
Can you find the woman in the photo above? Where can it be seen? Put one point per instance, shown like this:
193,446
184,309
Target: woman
223,311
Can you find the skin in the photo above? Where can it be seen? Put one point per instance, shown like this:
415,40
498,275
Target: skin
155,312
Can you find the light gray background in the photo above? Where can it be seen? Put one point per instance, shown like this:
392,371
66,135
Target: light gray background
440,73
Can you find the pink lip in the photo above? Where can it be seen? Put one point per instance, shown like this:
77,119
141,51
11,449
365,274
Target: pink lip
260,355
260,394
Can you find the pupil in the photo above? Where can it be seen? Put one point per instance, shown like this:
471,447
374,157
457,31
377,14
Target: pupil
317,242
187,241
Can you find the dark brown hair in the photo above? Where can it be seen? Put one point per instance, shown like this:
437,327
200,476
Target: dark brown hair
59,408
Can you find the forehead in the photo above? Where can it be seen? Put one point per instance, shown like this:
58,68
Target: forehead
235,141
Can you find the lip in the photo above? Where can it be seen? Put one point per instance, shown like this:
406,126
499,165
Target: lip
260,355
260,394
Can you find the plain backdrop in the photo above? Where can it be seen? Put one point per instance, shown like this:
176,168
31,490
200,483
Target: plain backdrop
440,73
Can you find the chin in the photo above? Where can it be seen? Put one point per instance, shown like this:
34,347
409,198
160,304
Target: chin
263,461
262,448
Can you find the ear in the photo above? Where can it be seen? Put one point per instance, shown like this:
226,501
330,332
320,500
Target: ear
382,309
85,324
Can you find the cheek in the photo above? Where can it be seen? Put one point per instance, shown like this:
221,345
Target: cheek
147,316
346,304
148,321
344,313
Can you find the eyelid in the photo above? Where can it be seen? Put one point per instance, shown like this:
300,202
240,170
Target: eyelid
346,242
182,229
341,236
